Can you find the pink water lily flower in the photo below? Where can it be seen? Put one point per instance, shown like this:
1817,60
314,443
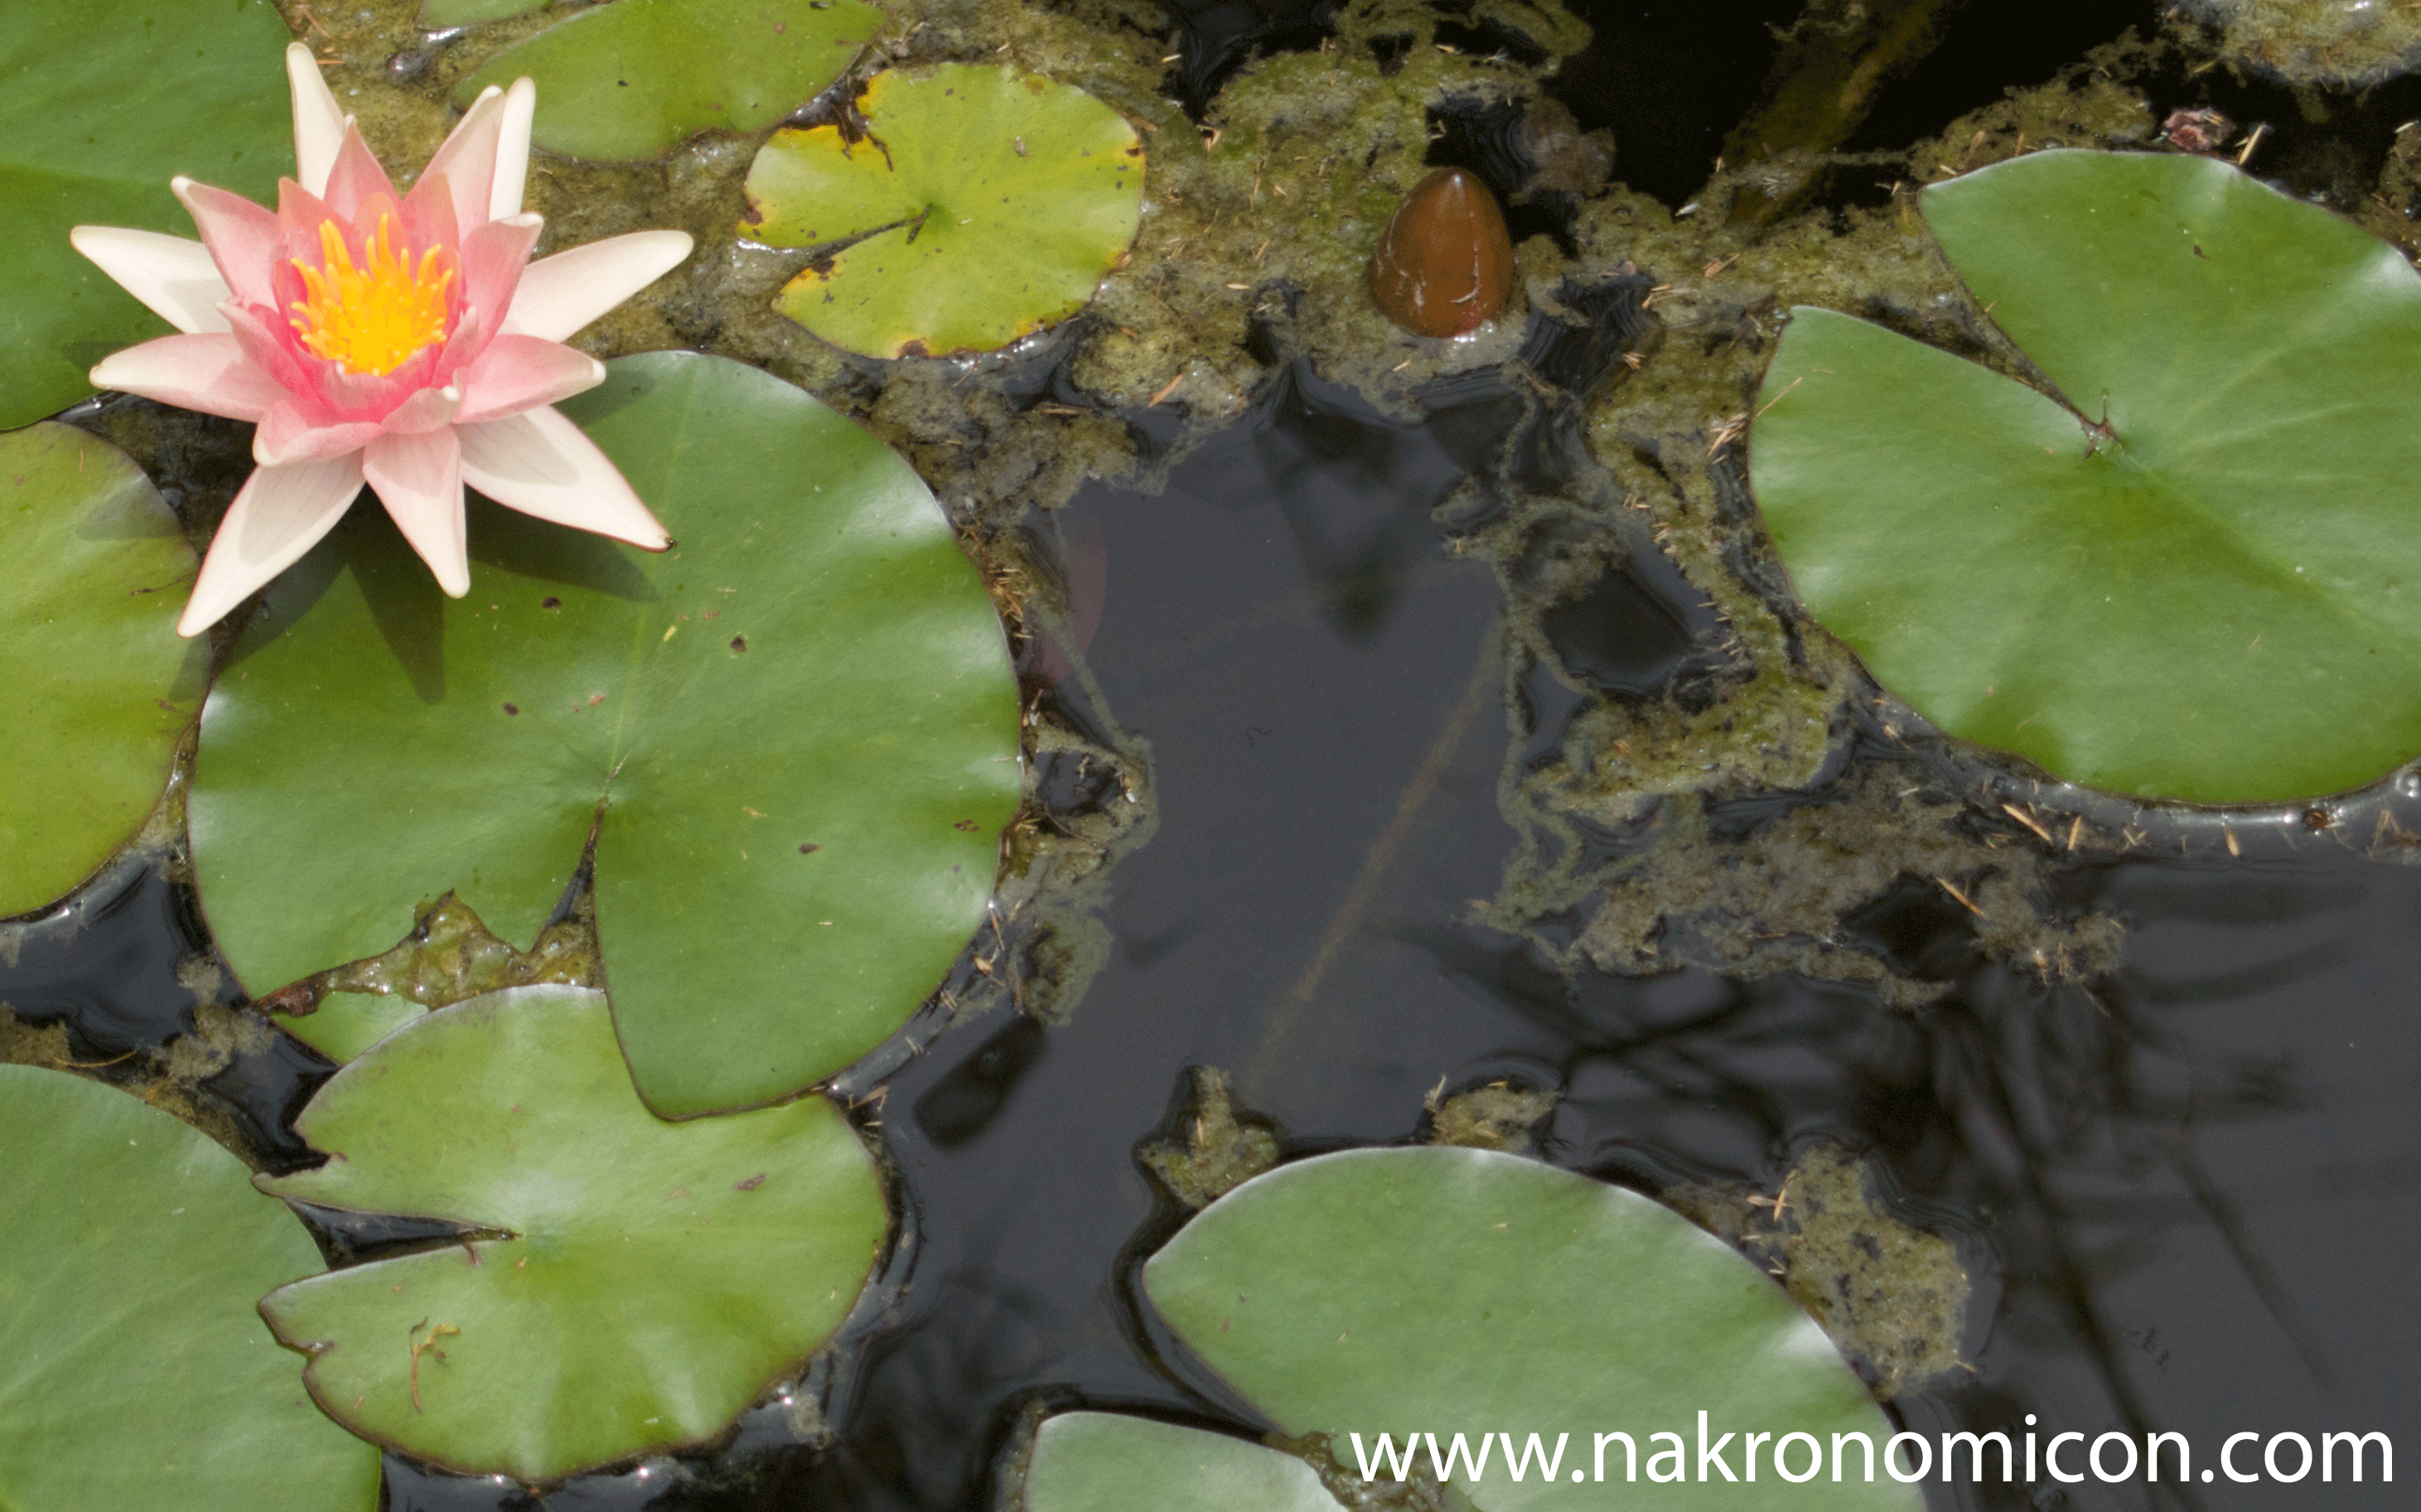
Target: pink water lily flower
407,343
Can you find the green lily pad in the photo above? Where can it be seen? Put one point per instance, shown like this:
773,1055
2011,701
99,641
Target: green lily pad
989,203
2218,597
794,734
1443,1290
437,15
101,103
641,1281
134,1370
634,80
344,1024
100,688
1110,1462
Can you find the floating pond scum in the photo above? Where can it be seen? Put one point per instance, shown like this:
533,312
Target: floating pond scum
996,757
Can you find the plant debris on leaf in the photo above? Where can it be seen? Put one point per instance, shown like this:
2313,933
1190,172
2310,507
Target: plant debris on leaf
637,1283
2191,570
633,80
794,735
135,1369
99,688
986,203
1442,1289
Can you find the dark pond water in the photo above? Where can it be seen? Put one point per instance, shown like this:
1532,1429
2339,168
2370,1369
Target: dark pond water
2189,1198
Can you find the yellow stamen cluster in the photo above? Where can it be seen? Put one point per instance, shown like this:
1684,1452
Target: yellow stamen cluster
370,318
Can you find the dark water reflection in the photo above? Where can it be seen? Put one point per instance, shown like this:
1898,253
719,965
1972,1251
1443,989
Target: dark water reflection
2186,1199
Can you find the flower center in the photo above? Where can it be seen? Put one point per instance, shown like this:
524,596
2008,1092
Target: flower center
373,317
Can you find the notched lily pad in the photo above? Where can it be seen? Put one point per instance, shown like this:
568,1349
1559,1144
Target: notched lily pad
134,1370
2191,570
633,80
987,204
1110,1462
107,100
793,735
1437,1289
639,1282
100,688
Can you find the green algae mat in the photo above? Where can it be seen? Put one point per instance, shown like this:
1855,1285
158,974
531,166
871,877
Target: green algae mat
793,740
135,1367
2183,563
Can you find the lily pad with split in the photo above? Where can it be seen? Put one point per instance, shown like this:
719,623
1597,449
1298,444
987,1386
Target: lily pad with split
135,1369
985,204
104,101
631,81
100,688
2184,564
633,1284
794,736
1441,1290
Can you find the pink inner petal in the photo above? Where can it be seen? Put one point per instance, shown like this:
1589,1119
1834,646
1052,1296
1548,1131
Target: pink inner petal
268,340
243,238
357,179
492,259
468,159
428,220
300,213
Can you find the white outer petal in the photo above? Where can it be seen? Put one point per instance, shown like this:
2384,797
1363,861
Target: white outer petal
205,370
542,464
512,151
172,276
419,479
318,122
280,513
560,294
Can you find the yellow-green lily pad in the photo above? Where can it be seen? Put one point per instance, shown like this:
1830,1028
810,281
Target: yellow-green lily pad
99,687
1111,1462
987,204
633,80
135,1369
635,1284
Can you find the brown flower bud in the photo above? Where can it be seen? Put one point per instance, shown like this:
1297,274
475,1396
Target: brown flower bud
1444,264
